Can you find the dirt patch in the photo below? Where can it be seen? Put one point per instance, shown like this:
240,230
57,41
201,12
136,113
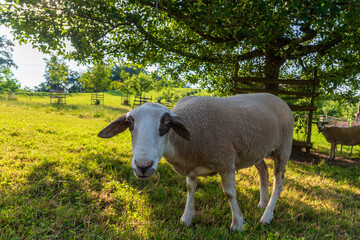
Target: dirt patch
300,156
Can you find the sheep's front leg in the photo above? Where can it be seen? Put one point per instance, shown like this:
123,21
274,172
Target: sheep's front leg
228,183
189,212
264,183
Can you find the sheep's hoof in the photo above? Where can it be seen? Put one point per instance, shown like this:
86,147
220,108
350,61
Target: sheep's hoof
237,227
262,205
186,220
266,219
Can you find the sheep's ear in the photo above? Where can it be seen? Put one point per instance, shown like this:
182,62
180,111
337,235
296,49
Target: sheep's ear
167,121
116,127
179,127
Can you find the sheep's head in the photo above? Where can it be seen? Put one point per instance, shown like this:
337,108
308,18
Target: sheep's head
321,125
149,125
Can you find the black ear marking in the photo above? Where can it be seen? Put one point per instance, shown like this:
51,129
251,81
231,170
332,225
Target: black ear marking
165,124
167,121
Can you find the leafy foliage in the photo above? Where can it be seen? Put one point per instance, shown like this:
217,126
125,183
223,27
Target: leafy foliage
117,72
56,72
97,78
6,59
72,84
202,41
140,84
7,81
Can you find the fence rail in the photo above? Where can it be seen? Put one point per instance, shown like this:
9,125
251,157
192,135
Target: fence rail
141,100
97,98
287,89
336,121
57,97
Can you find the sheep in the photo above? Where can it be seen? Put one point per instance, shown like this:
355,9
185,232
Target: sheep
349,136
351,150
227,134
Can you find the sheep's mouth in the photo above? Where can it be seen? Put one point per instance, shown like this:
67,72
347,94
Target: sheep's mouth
145,175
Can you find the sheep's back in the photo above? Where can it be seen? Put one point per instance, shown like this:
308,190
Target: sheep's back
343,135
245,128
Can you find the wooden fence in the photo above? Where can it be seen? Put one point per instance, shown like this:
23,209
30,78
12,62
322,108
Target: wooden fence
339,122
139,100
97,98
289,90
57,97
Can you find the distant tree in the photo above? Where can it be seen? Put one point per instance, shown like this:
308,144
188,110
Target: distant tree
72,82
6,58
116,72
56,72
7,81
140,84
42,87
97,78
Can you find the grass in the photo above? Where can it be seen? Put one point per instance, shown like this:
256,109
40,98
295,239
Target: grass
60,181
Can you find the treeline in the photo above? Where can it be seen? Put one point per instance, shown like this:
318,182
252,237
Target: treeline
97,78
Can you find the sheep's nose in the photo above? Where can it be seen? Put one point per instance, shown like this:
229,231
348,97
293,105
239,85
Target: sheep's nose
144,167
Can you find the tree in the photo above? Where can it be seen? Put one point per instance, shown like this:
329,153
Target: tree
6,58
117,72
56,72
97,78
72,82
42,87
203,41
7,81
140,84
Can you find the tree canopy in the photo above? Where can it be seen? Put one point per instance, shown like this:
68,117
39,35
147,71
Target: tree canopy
56,72
96,78
6,58
7,81
202,41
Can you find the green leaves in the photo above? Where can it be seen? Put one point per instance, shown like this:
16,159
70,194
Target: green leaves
197,41
56,72
97,78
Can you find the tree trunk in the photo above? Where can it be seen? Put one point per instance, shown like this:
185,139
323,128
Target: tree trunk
272,68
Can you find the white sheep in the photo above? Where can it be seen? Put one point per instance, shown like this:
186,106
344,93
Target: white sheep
226,134
349,136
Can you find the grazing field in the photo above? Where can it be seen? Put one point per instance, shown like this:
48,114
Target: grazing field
59,180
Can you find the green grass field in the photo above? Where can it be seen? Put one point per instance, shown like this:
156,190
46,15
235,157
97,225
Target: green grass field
58,180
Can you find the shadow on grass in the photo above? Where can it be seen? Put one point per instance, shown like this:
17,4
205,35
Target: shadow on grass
116,93
101,198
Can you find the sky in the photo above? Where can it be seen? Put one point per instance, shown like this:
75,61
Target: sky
30,62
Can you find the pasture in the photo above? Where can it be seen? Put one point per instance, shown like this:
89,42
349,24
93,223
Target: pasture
59,180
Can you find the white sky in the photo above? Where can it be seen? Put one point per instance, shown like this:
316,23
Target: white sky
31,66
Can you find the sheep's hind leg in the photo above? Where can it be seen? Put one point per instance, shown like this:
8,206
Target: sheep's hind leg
189,212
332,151
228,183
264,183
279,178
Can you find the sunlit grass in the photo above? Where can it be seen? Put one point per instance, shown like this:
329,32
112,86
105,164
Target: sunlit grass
59,180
